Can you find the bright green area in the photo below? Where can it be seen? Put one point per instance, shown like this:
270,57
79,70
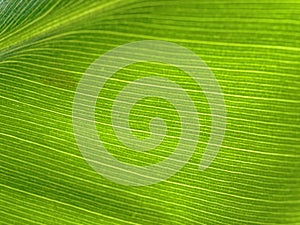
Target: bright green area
252,47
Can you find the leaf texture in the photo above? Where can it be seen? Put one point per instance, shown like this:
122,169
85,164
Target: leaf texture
252,47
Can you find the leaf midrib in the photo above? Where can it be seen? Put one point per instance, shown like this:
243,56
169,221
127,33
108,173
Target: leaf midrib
9,47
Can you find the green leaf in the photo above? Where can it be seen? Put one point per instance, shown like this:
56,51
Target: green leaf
253,49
